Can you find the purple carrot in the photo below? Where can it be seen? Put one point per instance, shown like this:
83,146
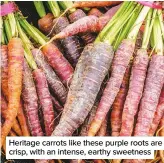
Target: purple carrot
136,86
86,37
158,114
55,84
45,100
30,99
71,45
84,88
149,101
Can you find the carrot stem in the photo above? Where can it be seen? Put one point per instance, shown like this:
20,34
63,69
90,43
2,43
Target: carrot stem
30,30
148,28
127,27
67,4
12,22
40,8
27,46
54,8
136,26
122,9
7,29
2,32
119,24
161,22
158,41
40,33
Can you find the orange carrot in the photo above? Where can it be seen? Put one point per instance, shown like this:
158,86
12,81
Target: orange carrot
15,73
95,4
15,126
95,12
46,23
4,70
11,133
22,120
161,133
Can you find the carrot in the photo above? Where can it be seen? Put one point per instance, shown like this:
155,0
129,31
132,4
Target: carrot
103,129
161,125
78,104
45,100
95,4
117,108
152,87
73,17
71,44
4,70
15,73
137,81
41,88
11,133
15,126
158,114
77,161
161,133
149,104
31,102
22,120
86,24
5,91
135,91
54,57
46,23
88,120
95,12
56,104
121,60
56,85
103,20
98,161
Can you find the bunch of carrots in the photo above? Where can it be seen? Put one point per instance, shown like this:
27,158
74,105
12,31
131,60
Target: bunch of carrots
88,69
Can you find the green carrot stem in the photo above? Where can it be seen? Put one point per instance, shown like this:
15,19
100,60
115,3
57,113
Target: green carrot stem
125,5
27,47
117,27
54,8
31,32
7,29
127,27
158,41
2,31
12,22
86,9
67,4
40,33
148,28
160,15
136,26
152,44
40,8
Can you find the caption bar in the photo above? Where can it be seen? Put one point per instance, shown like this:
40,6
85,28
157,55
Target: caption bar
83,147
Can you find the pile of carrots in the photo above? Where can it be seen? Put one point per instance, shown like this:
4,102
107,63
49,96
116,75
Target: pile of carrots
89,69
